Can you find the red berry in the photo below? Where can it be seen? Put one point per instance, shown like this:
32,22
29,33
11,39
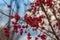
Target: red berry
23,27
43,28
29,34
56,23
30,9
14,23
26,26
42,23
6,32
36,38
29,38
18,26
9,6
21,31
43,37
17,17
37,3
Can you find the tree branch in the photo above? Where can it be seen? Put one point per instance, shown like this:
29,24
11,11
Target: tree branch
50,22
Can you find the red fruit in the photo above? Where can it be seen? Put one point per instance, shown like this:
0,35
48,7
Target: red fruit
21,31
29,38
17,17
37,3
7,35
39,19
14,23
42,16
48,3
36,38
30,19
42,23
25,17
18,26
23,27
6,32
15,26
9,6
43,28
43,37
26,26
30,9
29,34
34,25
56,23
16,30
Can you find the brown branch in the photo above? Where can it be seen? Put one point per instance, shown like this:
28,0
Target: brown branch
1,12
49,22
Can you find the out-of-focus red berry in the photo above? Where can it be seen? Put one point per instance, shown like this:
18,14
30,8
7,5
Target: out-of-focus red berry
9,6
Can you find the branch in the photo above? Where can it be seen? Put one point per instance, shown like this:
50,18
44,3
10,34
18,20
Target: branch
50,22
